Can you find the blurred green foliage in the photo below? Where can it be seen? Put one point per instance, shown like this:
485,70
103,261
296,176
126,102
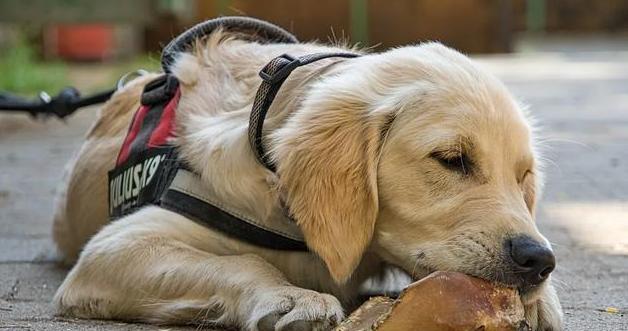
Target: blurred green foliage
22,73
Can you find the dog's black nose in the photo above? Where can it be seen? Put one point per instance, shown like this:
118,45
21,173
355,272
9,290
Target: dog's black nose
533,261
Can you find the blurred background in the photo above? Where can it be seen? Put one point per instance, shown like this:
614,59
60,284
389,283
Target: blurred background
40,40
566,59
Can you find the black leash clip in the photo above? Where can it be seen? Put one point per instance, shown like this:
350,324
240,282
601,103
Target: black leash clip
61,105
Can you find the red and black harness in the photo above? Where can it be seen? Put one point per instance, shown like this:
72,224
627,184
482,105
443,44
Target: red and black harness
148,171
147,161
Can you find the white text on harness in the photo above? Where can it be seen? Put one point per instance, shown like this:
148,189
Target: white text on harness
124,188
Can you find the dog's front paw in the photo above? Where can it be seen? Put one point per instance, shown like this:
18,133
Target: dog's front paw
291,308
545,313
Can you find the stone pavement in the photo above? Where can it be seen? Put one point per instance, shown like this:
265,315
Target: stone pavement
577,90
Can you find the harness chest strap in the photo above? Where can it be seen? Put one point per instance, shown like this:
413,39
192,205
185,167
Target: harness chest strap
187,195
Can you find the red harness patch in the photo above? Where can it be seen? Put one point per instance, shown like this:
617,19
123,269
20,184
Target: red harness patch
146,161
161,133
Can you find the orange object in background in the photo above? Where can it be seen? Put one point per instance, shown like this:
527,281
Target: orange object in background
82,42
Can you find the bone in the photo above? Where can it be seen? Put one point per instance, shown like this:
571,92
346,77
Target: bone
442,301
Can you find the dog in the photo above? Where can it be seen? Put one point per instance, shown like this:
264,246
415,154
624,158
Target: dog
413,158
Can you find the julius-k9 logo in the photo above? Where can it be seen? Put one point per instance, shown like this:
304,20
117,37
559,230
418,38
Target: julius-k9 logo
135,182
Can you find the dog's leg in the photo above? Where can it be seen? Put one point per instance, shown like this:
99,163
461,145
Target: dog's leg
545,314
143,268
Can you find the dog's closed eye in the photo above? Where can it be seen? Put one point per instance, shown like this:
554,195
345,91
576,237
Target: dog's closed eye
453,160
526,174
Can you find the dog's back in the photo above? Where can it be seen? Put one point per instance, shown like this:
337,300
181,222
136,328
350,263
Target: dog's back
221,75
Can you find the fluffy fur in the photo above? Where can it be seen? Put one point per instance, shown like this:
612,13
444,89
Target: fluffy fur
357,144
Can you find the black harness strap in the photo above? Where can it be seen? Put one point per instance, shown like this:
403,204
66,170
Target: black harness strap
178,189
274,74
169,184
208,214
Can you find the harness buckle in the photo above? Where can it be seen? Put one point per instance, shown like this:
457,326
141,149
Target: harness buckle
161,89
279,68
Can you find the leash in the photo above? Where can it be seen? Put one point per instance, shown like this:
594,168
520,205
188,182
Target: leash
62,105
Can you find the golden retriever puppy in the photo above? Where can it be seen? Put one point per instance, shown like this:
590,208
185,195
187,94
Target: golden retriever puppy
413,158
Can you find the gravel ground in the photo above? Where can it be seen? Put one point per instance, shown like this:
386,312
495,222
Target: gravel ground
577,90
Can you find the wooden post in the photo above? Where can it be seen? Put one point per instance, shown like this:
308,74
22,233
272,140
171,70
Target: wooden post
535,16
359,22
221,7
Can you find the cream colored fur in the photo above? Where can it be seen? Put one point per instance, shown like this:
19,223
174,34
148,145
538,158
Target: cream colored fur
352,140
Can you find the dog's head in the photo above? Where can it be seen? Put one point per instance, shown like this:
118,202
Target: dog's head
423,158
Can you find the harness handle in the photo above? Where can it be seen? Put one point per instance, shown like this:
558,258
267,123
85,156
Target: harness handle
257,29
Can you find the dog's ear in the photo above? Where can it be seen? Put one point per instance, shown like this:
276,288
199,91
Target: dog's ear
326,157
